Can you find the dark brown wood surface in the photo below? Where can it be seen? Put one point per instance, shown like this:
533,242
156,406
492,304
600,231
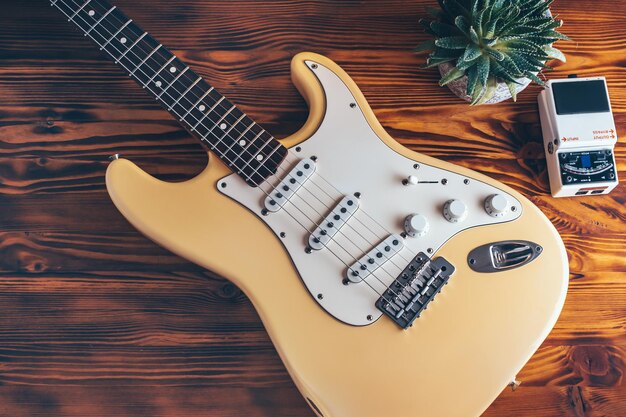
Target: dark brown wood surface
95,320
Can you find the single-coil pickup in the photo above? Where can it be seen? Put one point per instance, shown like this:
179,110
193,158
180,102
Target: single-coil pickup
375,258
290,184
333,222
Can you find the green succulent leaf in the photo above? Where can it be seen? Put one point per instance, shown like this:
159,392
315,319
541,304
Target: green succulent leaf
490,29
474,36
483,66
453,74
472,52
435,62
455,8
462,24
555,53
492,42
444,30
472,80
536,79
512,89
452,42
428,45
495,54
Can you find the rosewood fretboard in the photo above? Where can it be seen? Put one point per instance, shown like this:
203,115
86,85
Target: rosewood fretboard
249,150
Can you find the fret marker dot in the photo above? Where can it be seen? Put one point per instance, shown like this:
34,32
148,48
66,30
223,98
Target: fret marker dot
259,157
92,13
223,126
173,70
242,142
123,40
158,83
202,107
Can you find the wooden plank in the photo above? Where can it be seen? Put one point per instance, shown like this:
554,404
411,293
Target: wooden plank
96,320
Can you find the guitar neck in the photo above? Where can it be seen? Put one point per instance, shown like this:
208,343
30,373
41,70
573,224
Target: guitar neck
242,144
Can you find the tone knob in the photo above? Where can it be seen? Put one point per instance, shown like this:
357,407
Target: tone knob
455,211
496,205
416,225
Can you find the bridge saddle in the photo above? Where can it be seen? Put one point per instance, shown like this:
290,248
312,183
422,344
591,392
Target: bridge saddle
410,293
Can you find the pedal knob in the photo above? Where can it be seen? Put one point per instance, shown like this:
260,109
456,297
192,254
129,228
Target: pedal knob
455,211
416,225
496,205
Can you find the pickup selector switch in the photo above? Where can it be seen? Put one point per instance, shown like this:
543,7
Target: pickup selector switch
454,211
416,225
496,205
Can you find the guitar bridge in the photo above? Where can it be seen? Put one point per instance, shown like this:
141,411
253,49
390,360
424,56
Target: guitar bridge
417,285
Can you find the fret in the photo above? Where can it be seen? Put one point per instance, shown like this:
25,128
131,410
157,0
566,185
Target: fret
185,93
267,158
250,148
221,119
240,140
195,105
99,20
235,141
145,59
116,33
131,47
207,113
226,130
77,11
162,68
172,83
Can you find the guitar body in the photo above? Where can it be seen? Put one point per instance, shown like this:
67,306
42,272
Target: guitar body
455,359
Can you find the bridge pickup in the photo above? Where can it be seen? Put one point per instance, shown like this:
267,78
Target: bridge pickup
410,293
333,222
375,258
289,185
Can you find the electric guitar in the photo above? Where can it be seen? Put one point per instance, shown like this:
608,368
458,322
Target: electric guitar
392,284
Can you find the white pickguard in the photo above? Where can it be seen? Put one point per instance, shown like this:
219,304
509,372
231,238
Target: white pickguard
352,158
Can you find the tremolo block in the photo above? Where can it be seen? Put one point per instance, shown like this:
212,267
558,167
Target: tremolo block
291,183
410,293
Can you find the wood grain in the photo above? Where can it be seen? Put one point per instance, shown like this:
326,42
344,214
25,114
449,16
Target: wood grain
98,321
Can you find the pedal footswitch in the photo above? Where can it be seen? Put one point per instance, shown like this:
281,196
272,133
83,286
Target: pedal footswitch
579,136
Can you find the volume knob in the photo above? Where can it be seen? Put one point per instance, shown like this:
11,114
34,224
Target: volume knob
416,225
496,205
455,211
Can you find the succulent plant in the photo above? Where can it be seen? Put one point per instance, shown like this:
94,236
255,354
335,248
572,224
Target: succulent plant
492,41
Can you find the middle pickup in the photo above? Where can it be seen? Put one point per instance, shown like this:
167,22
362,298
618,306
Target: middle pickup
331,225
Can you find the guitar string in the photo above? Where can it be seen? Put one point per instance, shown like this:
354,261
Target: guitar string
382,266
305,188
313,182
338,244
372,272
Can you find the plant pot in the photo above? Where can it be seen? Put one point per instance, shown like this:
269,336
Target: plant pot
459,87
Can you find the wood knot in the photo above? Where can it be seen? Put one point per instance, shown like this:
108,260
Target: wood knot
597,365
229,291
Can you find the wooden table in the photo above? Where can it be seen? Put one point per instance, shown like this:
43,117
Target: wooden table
95,320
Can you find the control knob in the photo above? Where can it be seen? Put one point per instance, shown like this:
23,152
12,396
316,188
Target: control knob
496,205
416,225
454,211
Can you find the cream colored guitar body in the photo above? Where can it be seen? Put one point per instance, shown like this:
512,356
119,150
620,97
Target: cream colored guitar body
457,357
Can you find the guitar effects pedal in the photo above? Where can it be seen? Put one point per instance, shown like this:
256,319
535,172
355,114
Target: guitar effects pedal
579,136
